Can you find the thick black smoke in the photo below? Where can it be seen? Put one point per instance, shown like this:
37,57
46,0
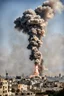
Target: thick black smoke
33,23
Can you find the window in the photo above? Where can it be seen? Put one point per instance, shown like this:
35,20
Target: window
22,93
5,91
28,93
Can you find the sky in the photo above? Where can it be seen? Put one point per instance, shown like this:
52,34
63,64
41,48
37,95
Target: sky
13,43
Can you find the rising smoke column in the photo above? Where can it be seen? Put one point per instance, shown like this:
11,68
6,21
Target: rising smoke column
33,23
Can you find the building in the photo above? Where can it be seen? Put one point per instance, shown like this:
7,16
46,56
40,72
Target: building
3,87
27,93
22,87
9,86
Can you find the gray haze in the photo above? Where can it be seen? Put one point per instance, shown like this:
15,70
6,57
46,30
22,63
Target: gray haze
15,59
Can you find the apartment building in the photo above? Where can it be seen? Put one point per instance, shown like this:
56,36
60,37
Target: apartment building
3,87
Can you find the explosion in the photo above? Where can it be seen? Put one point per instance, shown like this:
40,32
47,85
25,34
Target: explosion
36,70
33,23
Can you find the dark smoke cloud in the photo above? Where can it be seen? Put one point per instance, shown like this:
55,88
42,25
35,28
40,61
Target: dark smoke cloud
33,23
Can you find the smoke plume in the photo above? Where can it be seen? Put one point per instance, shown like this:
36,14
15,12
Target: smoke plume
33,23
